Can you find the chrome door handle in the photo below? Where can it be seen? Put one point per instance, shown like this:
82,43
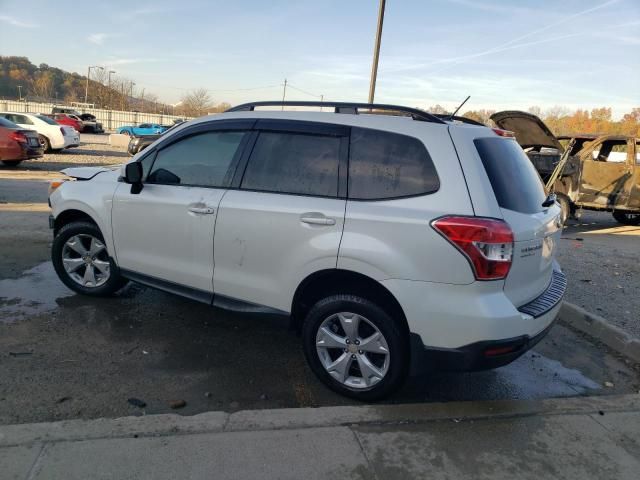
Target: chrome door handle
202,210
316,219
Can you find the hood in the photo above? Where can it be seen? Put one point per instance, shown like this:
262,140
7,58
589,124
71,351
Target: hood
84,173
530,130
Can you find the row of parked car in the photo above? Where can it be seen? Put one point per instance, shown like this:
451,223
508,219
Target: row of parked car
24,136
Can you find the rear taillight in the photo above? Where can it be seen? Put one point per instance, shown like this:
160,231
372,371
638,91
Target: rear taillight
487,243
503,133
18,137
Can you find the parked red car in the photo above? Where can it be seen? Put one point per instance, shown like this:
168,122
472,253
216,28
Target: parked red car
18,144
64,119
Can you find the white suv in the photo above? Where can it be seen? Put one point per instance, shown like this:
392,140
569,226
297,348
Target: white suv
396,244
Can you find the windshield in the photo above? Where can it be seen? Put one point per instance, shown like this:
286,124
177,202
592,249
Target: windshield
47,120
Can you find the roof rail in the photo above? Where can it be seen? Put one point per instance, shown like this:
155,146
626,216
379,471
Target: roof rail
343,107
447,116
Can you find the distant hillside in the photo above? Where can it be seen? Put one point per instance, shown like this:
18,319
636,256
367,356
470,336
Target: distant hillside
20,77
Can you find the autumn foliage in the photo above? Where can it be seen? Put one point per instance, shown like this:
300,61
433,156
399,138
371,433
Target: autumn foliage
563,122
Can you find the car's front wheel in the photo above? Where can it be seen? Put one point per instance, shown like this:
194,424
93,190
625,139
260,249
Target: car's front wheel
355,347
81,260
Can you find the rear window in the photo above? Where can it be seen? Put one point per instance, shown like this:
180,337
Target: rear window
6,123
515,182
47,120
388,165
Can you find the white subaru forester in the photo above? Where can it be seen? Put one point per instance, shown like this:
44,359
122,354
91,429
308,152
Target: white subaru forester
397,241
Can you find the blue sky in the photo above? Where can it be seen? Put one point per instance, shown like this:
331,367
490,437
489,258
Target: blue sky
505,54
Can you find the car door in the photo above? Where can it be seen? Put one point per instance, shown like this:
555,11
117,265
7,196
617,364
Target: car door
164,234
284,217
605,180
634,193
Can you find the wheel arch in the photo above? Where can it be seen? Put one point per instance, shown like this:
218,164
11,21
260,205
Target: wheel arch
332,281
72,215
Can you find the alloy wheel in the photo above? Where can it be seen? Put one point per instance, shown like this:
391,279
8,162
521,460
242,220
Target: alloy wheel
86,261
352,350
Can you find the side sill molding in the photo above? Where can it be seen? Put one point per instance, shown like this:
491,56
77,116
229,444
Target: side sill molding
181,290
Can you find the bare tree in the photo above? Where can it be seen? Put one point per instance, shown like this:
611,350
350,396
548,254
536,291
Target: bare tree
42,86
437,109
196,103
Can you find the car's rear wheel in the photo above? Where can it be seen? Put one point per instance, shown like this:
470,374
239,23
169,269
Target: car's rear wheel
44,143
11,163
355,347
81,260
627,218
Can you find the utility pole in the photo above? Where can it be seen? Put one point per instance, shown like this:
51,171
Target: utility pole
376,52
86,88
20,93
109,87
321,100
284,92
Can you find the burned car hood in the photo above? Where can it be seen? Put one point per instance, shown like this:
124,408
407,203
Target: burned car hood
84,173
530,130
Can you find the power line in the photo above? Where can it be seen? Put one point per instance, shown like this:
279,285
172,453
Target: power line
304,91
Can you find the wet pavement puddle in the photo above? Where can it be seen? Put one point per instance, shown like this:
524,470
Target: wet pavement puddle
36,291
541,373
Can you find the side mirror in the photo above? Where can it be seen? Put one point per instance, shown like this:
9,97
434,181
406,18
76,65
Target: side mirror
133,176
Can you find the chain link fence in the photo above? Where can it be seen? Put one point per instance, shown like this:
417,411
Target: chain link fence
110,119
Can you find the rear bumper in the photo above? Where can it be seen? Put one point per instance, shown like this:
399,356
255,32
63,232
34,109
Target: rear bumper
473,327
22,151
483,355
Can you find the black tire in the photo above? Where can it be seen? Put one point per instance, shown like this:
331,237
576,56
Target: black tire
565,206
396,339
44,141
11,163
627,218
115,281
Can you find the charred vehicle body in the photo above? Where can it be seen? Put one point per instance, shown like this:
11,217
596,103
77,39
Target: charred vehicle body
596,172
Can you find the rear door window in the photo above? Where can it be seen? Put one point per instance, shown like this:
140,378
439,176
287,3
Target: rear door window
384,165
516,184
284,162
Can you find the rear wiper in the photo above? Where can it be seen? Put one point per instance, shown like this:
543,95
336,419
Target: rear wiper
550,200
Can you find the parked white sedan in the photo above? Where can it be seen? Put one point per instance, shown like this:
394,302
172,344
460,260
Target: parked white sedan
53,136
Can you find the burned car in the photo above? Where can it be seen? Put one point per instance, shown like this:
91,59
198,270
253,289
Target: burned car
596,173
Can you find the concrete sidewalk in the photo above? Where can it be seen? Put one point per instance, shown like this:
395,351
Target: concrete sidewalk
584,438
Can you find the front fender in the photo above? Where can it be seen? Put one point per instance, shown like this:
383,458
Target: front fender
91,197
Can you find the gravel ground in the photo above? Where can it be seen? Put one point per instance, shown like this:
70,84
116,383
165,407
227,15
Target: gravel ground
602,261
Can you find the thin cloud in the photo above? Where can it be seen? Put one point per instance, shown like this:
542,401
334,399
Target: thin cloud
15,22
100,38
515,42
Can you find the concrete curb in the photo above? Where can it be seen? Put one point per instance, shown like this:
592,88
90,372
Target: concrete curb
300,418
601,329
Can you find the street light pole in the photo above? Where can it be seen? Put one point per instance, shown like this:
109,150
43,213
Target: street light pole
109,86
86,89
376,52
20,93
284,92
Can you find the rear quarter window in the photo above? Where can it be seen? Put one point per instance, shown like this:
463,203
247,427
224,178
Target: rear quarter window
384,165
516,183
